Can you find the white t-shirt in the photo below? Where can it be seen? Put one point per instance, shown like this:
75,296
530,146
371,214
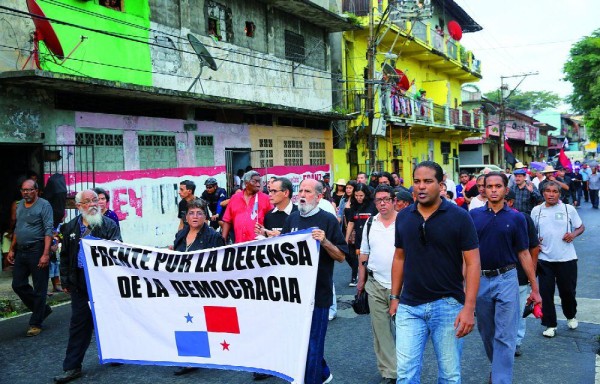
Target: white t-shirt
380,248
451,187
476,202
536,181
327,206
552,223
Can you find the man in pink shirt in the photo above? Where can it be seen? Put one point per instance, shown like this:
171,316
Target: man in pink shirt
246,209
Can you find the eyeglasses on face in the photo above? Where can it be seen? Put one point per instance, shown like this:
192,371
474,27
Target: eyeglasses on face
274,191
385,200
86,202
195,213
27,190
422,234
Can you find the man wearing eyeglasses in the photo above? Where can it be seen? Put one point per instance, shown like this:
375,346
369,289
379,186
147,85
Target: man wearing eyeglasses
503,242
246,209
90,221
433,237
280,195
214,196
30,254
376,255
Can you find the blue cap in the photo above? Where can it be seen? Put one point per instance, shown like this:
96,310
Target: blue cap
520,171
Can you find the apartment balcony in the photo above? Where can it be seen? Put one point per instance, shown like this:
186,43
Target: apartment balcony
404,109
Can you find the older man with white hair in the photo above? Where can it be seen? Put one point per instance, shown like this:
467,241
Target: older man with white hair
90,221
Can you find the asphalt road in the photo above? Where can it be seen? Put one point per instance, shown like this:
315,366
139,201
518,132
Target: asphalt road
570,357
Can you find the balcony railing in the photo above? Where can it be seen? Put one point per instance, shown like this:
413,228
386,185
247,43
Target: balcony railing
407,107
357,7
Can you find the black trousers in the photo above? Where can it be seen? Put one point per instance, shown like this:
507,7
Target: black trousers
80,330
34,298
352,260
564,276
586,195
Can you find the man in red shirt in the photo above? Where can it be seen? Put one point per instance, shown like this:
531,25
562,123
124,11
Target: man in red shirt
246,209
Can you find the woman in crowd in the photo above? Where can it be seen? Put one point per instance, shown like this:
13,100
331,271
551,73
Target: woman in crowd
340,191
103,200
361,209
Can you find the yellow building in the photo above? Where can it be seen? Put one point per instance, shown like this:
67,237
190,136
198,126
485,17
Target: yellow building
419,67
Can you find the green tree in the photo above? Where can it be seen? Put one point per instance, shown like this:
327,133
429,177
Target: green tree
582,69
527,101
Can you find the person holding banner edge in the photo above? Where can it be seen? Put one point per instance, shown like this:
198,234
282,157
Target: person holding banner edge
333,247
90,221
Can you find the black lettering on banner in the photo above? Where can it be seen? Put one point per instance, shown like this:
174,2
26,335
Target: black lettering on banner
179,288
228,259
190,288
274,256
123,256
129,286
291,256
232,287
160,258
260,256
95,254
106,261
294,290
161,291
250,256
219,289
272,285
304,253
204,289
247,288
113,254
239,259
261,289
207,264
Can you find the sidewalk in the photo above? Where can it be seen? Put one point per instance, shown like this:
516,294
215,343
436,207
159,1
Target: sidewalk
10,302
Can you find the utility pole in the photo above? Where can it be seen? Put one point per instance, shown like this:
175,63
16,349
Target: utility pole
370,104
502,122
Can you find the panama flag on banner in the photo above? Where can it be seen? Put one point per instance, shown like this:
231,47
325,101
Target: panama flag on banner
242,307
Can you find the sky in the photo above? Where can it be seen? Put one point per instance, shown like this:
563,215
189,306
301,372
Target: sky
528,36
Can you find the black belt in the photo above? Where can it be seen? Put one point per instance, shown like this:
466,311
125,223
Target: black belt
369,272
499,271
30,246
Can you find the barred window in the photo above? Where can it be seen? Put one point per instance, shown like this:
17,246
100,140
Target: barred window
205,153
292,152
157,151
316,152
219,24
266,152
294,47
108,151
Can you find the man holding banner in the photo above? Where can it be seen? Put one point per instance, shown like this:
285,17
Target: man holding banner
89,222
333,247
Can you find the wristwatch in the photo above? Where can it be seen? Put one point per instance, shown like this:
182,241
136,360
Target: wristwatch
394,297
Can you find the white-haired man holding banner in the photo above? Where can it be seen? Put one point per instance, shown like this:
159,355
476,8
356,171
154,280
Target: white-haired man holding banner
90,221
333,248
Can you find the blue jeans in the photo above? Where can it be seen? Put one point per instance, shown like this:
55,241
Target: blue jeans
316,366
498,313
414,324
523,295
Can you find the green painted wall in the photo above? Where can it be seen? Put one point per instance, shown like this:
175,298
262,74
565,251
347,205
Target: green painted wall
102,56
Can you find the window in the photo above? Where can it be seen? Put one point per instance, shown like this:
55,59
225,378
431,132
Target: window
294,47
266,152
316,152
292,152
219,24
250,28
205,153
112,4
157,151
108,151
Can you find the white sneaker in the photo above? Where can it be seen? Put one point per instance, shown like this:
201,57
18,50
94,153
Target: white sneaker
332,316
329,379
572,323
549,332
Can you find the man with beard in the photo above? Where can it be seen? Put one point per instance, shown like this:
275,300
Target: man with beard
30,253
246,209
89,222
333,248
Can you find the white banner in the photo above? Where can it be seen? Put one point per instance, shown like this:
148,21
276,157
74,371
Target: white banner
243,307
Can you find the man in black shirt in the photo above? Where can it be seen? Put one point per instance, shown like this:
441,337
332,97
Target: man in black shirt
186,192
213,195
280,195
332,247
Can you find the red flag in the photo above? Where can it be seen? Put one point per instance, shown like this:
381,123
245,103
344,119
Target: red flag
221,319
563,161
509,157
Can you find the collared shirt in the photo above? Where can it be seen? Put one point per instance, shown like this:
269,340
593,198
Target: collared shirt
244,215
502,235
525,200
379,245
287,209
433,252
585,173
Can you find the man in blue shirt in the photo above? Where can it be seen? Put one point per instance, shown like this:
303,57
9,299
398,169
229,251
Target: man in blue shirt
433,237
503,242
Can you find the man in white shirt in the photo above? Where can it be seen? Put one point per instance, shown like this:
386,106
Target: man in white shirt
558,225
450,185
375,261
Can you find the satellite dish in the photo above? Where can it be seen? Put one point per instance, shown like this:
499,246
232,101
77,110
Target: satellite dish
44,32
395,76
205,58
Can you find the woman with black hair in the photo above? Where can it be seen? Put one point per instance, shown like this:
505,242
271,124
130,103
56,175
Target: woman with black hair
361,209
103,204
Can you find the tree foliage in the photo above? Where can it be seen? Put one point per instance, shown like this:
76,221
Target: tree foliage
528,100
582,69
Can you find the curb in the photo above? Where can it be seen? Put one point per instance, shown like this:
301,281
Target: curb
11,307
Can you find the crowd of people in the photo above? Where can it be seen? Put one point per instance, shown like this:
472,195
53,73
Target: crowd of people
431,256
